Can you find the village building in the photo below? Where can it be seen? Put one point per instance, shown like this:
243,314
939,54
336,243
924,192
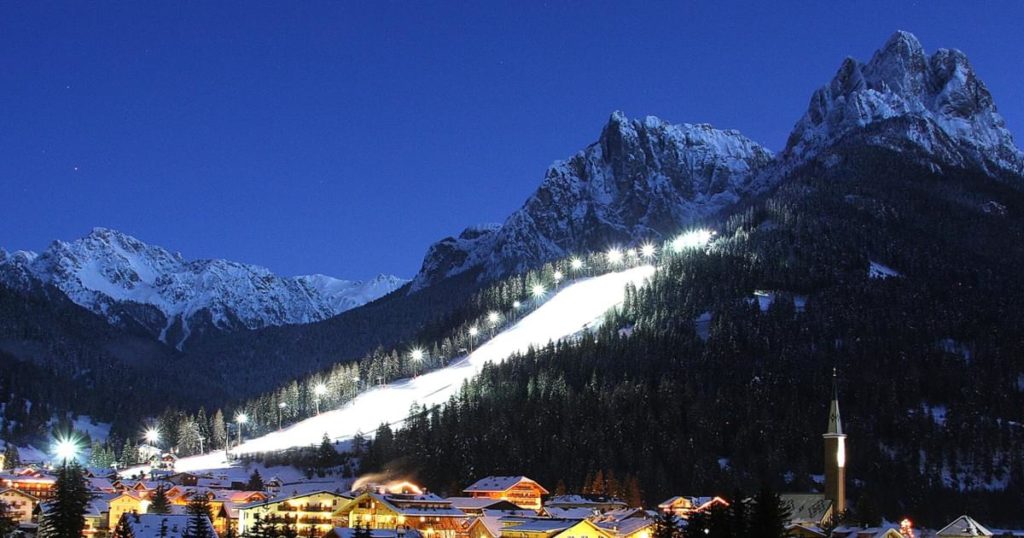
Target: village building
31,481
433,516
555,528
592,503
626,523
964,527
518,490
127,502
889,531
809,513
313,509
683,506
475,506
97,518
20,505
348,532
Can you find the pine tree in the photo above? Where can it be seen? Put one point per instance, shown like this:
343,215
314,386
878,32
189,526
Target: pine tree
255,481
11,457
325,456
665,526
361,531
200,517
66,514
188,436
258,529
218,430
770,515
7,523
160,504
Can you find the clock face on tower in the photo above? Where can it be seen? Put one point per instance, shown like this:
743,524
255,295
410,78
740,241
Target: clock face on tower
841,452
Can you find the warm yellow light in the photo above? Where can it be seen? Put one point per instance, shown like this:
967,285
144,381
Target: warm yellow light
841,452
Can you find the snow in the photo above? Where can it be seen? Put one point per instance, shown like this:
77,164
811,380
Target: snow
97,431
566,313
877,270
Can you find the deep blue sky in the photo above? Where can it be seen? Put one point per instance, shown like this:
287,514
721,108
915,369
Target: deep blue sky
344,139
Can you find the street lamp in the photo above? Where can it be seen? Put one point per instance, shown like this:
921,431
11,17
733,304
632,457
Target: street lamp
647,250
614,256
576,264
241,419
493,318
152,436
66,449
558,276
319,390
280,411
537,291
473,331
417,357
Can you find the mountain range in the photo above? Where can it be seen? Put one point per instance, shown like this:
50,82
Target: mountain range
136,285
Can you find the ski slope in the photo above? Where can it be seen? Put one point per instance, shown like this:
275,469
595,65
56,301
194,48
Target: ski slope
569,311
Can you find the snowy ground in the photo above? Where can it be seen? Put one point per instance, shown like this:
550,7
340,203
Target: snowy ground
569,311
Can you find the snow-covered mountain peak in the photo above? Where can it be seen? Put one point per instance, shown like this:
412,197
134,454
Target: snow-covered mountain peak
133,283
641,180
904,100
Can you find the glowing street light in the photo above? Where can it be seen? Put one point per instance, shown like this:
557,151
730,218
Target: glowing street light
241,419
576,264
538,291
614,256
66,449
516,305
647,250
152,436
558,276
280,411
417,356
473,331
319,390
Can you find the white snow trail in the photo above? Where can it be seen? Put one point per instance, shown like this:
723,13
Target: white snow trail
569,311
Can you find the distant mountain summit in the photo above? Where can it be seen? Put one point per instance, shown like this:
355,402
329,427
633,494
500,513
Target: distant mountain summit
641,180
935,107
647,178
133,284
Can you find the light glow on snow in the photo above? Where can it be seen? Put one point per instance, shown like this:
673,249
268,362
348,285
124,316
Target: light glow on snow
573,309
692,239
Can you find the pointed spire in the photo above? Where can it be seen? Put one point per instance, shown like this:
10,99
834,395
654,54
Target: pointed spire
835,424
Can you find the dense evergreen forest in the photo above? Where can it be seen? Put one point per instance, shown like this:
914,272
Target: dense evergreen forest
694,388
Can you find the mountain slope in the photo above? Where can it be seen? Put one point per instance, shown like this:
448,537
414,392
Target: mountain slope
642,180
133,284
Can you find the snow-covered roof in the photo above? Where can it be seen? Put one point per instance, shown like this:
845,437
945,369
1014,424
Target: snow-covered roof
500,483
424,504
964,526
573,513
625,527
348,532
478,503
806,507
544,525
150,525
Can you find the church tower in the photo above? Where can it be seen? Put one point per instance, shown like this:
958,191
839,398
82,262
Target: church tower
835,454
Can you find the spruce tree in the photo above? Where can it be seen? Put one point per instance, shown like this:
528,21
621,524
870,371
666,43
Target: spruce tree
199,517
7,523
665,526
66,514
770,515
218,431
255,481
11,457
160,504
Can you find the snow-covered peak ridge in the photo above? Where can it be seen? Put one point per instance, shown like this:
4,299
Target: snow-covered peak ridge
936,104
642,180
131,282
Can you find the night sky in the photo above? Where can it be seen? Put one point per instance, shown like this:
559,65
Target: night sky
343,139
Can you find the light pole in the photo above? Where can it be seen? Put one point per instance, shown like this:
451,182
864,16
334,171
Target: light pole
473,331
648,251
66,449
355,386
558,276
152,437
614,257
319,390
280,411
493,318
241,419
417,357
538,292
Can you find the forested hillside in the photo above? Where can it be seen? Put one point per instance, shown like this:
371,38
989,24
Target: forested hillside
929,358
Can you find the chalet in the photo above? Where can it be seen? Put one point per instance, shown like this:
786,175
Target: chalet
158,525
804,530
97,518
31,481
518,490
684,506
638,526
128,502
224,503
555,528
425,512
963,527
313,509
20,505
183,479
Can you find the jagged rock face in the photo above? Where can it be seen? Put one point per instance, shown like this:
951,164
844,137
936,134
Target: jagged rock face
935,107
135,284
642,180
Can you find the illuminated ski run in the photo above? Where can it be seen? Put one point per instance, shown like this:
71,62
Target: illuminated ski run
571,310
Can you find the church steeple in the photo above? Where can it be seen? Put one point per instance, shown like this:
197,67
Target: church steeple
835,454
